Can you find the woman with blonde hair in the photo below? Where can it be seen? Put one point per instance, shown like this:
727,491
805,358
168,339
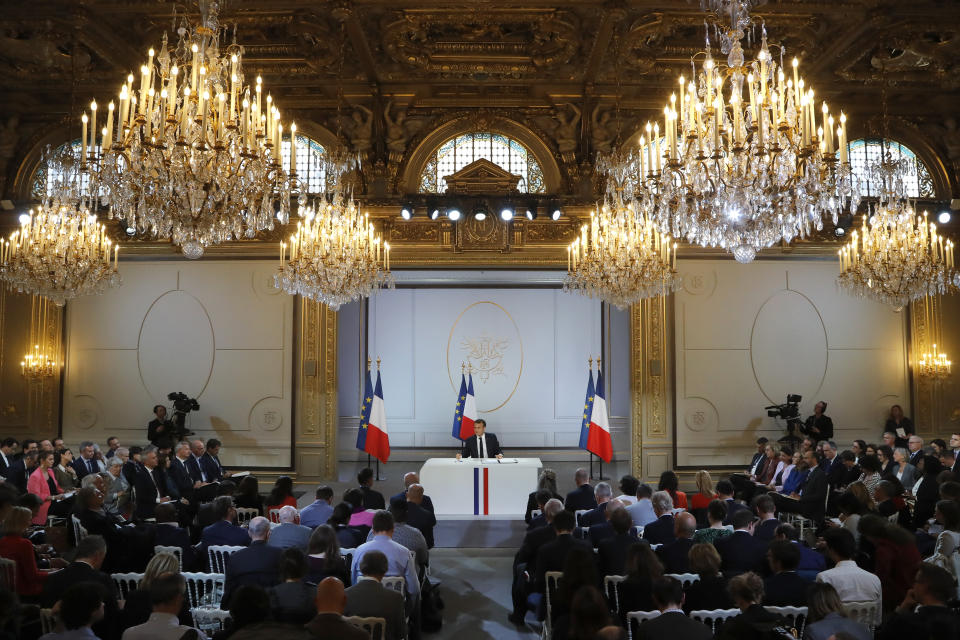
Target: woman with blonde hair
705,492
15,546
826,617
137,606
865,496
546,481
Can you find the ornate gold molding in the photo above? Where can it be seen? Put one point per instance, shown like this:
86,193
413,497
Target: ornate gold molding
316,408
649,369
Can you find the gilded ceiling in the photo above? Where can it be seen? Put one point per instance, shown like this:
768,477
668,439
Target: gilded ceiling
579,75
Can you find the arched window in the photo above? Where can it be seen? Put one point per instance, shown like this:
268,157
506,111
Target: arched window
310,167
45,181
867,152
504,151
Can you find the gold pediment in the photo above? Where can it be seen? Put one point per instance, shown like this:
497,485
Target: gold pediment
484,177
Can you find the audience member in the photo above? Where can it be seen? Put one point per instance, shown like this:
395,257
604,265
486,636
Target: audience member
546,481
406,535
797,476
754,622
81,607
281,495
915,447
553,554
250,613
852,583
612,552
672,624
149,485
810,500
324,559
661,530
292,600
767,512
138,604
603,494
411,478
15,546
371,499
741,552
579,570
641,510
811,562
87,462
924,613
945,550
224,531
348,536
628,490
725,494
167,594
643,567
169,534
420,514
248,495
826,617
210,462
670,483
674,554
582,497
704,495
542,497
368,598
257,564
88,558
895,557
397,555
524,563
290,533
329,624
320,510
784,588
63,471
710,591
716,514
588,615
604,530
926,491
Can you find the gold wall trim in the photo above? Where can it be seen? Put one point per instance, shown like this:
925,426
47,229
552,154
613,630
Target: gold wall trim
650,385
315,441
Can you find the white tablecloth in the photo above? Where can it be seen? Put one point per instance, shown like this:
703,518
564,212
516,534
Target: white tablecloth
480,487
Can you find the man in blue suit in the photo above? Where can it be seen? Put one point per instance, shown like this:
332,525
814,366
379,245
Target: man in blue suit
766,511
169,534
224,531
741,552
674,554
725,493
660,531
483,445
258,564
409,479
582,497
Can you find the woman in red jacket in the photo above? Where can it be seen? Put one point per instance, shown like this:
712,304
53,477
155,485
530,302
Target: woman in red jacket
15,546
43,484
895,557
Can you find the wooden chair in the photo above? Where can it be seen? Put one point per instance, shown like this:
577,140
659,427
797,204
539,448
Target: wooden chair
204,589
611,587
685,579
639,617
209,620
177,551
376,627
867,613
8,573
796,615
713,618
218,555
245,515
125,583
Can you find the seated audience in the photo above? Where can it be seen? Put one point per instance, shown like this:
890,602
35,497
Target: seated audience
43,484
324,559
784,468
741,552
319,511
603,493
797,477
628,489
372,499
810,499
746,591
588,615
420,514
670,483
88,558
924,613
674,554
926,491
725,495
851,508
903,471
641,510
582,497
15,546
546,481
63,471
542,497
889,498
167,595
329,624
118,490
811,562
783,587
603,531
81,607
767,512
870,476
368,598
169,534
716,514
406,535
859,490
524,562
224,531
248,495
397,555
249,614
895,557
138,604
257,564
360,517
636,592
292,600
579,570
945,551
826,618
885,458
672,624
349,537
852,583
661,530
411,478
612,552
281,495
704,495
553,554
710,591
290,533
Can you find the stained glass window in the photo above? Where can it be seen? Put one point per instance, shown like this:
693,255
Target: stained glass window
867,152
456,153
310,168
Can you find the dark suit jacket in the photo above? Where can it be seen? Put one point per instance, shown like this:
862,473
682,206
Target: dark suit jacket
470,446
77,572
814,494
765,530
193,469
80,466
222,532
757,457
532,542
674,555
612,554
707,594
594,516
331,626
535,523
180,475
17,475
212,467
146,490
660,531
732,507
423,520
835,472
740,552
580,498
257,564
916,457
552,556
372,499
785,589
600,532
370,599
671,626
171,536
426,503
741,627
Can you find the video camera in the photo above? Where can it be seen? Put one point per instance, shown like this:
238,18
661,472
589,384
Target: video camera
789,411
182,405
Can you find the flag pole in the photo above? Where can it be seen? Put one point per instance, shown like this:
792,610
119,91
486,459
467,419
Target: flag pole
377,474
599,459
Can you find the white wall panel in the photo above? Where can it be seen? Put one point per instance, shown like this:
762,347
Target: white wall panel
216,330
746,335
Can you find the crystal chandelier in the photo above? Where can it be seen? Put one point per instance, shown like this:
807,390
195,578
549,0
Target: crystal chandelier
934,364
897,256
60,252
743,172
192,151
40,363
620,256
335,256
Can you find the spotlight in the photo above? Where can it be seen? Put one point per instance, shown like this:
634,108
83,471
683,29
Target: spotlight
453,213
944,217
434,214
844,222
839,232
506,214
531,214
555,215
406,212
480,214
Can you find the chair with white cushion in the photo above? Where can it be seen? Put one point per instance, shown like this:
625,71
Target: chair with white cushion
177,551
204,589
686,579
218,554
867,612
125,583
796,615
639,617
209,620
374,626
715,617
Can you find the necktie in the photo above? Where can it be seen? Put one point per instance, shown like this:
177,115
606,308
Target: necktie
90,465
481,447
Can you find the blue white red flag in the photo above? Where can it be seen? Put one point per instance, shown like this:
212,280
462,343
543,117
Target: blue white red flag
598,437
365,407
587,412
458,412
378,440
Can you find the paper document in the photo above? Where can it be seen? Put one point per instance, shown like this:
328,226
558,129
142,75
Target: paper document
239,474
901,433
500,461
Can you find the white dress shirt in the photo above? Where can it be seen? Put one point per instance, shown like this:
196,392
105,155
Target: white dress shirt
852,583
482,445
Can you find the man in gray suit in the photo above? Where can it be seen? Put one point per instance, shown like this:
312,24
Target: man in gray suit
370,599
290,533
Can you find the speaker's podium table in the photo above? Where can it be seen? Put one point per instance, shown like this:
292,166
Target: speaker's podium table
480,487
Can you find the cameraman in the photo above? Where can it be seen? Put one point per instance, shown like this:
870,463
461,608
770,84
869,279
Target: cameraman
160,430
819,426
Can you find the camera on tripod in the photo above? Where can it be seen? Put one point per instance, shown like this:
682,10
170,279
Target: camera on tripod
789,411
182,405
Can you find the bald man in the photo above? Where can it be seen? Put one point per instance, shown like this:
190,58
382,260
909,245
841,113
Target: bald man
329,623
418,515
409,479
673,555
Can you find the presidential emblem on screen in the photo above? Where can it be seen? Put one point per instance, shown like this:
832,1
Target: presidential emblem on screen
485,337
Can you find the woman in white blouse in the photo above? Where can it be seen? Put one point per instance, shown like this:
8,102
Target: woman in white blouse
906,473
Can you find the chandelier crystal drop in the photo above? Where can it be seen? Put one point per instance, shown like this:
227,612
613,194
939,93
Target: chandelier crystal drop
60,251
191,151
744,159
336,256
620,257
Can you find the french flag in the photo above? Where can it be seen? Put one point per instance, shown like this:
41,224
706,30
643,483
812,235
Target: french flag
469,411
598,438
378,440
587,413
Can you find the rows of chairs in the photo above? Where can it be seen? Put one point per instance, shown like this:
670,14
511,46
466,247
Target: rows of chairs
204,590
611,585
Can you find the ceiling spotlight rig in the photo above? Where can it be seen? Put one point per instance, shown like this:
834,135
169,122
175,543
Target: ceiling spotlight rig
479,207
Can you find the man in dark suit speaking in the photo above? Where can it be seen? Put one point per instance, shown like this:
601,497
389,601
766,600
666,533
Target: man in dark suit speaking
482,445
